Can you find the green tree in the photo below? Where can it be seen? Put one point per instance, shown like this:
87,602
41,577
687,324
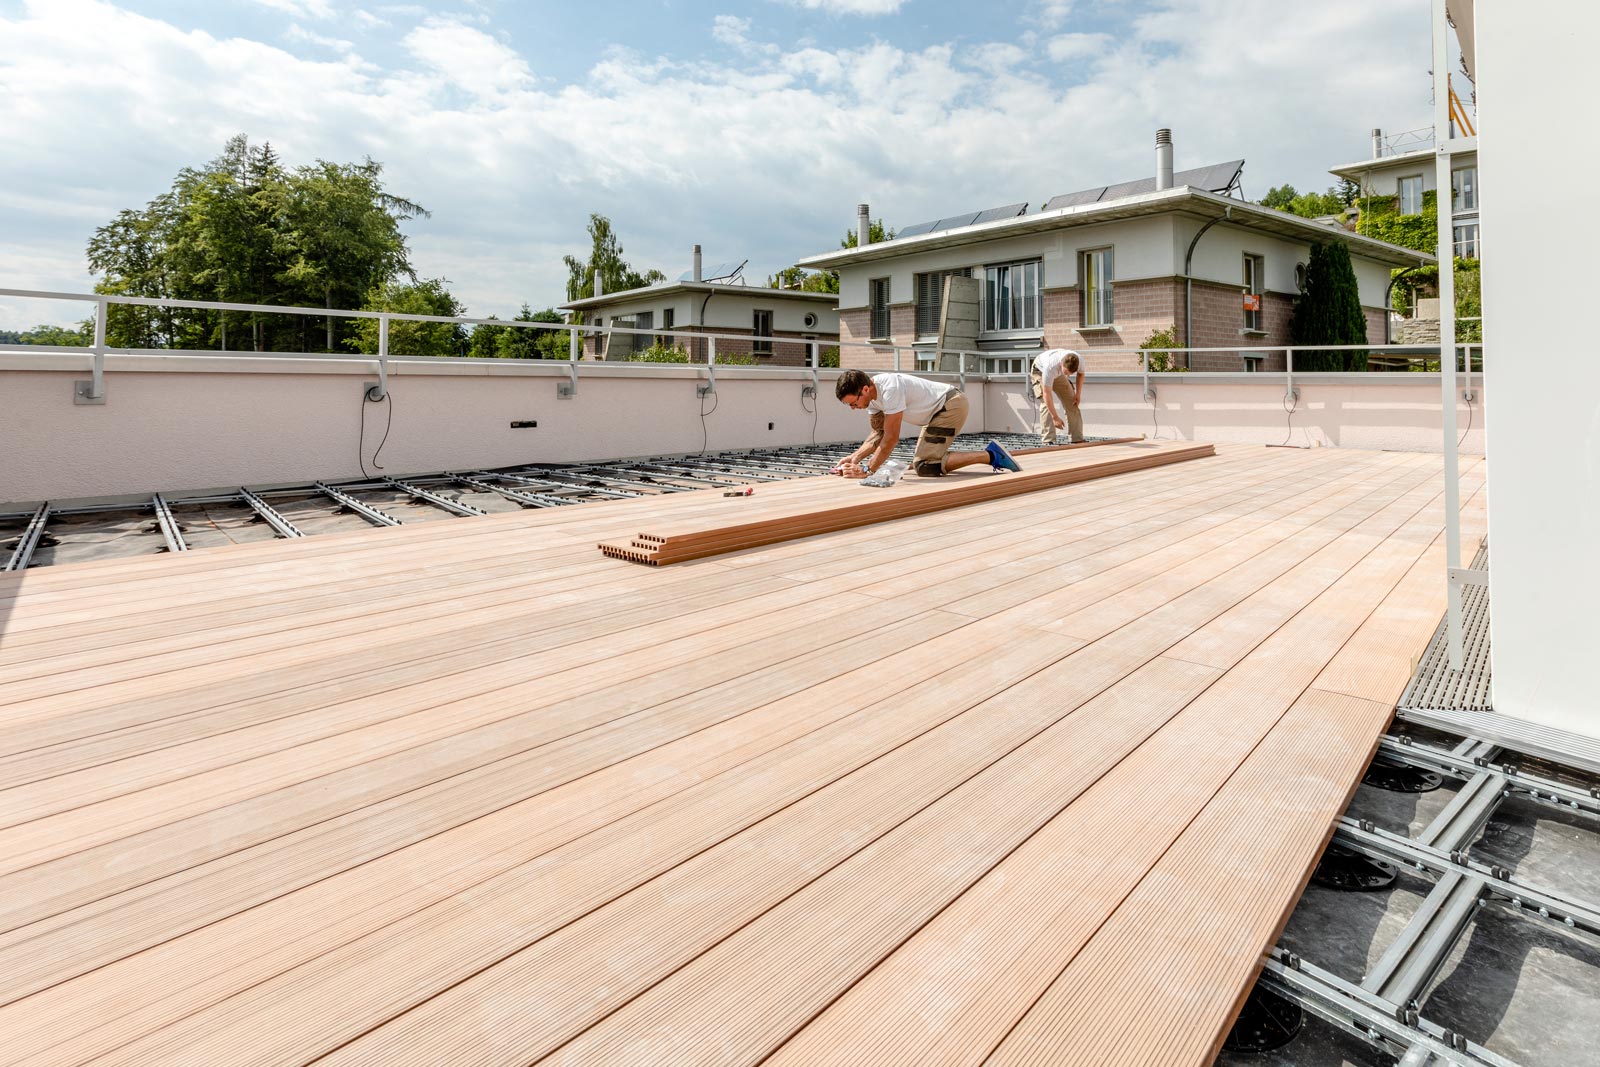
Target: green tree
1329,311
244,229
426,297
58,336
343,236
485,340
605,256
1306,205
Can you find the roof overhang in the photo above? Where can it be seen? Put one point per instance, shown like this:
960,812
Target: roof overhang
1194,203
1458,146
652,292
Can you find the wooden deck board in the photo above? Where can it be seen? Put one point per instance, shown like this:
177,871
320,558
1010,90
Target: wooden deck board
518,802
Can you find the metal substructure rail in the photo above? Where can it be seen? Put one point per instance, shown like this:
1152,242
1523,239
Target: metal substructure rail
632,474
455,507
553,488
686,474
269,514
1386,1007
760,474
532,500
625,485
169,525
1404,1034
32,534
366,511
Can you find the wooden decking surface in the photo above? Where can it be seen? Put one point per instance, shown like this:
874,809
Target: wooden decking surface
1031,782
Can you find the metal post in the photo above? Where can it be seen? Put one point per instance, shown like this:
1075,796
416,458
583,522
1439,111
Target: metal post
93,391
382,389
711,369
897,358
569,389
1290,396
1144,363
1447,320
816,362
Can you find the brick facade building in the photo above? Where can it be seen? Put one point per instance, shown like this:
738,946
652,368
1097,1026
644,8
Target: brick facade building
1137,247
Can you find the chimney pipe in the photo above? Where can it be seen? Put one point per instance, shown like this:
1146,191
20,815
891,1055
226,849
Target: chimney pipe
1377,143
599,286
863,225
1163,159
696,262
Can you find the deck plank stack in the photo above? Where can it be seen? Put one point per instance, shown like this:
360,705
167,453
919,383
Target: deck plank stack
826,506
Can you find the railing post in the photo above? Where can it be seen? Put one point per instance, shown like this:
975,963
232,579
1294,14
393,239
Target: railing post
97,370
816,362
1144,363
568,389
381,390
1290,395
961,369
897,358
711,369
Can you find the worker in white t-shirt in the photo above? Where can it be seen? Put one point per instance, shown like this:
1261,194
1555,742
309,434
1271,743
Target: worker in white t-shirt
1058,375
892,400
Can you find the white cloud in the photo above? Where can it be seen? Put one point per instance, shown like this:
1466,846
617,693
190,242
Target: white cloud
851,7
313,9
1051,14
467,58
731,30
369,20
762,155
297,32
1077,45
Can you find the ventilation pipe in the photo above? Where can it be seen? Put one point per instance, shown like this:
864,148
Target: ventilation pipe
863,225
599,286
696,274
1163,159
1377,143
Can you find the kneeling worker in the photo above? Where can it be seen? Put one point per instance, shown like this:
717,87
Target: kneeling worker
1058,375
892,399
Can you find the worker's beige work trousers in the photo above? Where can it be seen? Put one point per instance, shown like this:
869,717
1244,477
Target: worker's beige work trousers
1067,399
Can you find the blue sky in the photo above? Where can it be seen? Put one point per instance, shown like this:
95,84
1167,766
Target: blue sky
752,129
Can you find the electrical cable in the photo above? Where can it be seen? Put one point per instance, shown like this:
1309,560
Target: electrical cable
704,435
1469,422
1288,419
388,401
812,411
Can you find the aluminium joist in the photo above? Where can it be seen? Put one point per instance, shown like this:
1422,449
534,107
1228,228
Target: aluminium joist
455,507
169,525
29,540
270,515
366,511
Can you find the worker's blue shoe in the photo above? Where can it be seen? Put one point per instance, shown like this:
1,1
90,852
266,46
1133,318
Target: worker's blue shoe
1001,458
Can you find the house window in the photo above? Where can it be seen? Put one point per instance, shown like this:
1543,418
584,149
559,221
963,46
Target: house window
1464,189
1467,240
1012,299
668,316
1096,270
626,345
1006,364
878,301
1411,195
930,299
1254,269
762,346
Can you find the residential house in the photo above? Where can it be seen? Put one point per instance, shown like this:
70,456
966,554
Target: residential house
1099,271
776,326
1402,168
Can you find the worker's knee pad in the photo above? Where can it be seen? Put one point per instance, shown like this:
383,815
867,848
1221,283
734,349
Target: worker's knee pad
930,468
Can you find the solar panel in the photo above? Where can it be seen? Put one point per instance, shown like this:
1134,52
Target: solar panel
1215,178
1086,196
954,221
716,272
919,228
994,214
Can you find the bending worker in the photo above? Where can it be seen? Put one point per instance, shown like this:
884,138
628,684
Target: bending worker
1058,375
892,399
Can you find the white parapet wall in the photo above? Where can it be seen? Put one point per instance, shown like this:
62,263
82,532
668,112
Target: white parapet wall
177,424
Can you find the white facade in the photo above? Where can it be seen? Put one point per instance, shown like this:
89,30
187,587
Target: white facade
712,307
1544,460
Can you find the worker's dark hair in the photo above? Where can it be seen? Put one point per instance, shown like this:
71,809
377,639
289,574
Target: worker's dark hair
1071,363
851,382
